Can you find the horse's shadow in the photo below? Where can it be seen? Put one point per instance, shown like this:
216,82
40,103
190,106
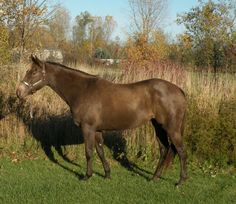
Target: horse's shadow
55,133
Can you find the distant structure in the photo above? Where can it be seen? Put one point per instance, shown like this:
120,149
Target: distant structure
106,62
45,55
50,55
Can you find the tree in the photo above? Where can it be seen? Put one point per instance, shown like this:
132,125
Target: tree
80,29
59,25
91,32
43,39
81,44
142,53
109,25
160,45
147,43
23,18
210,27
182,49
146,15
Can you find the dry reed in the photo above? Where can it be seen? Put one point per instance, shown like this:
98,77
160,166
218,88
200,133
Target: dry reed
205,89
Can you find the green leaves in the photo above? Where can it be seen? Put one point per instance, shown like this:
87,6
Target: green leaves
211,26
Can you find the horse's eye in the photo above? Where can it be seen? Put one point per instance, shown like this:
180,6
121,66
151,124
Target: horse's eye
34,73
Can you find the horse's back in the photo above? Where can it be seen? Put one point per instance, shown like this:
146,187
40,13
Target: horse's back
151,93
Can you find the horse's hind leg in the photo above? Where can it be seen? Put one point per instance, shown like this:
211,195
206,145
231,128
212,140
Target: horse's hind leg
176,138
100,152
162,139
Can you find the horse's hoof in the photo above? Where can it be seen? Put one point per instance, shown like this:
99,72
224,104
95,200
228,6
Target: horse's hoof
107,177
155,179
181,182
178,184
86,178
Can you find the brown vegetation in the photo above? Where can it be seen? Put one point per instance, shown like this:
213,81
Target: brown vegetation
210,126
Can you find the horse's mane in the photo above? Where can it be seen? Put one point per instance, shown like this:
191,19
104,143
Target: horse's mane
71,69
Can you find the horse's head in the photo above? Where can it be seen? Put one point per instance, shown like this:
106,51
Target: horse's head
33,80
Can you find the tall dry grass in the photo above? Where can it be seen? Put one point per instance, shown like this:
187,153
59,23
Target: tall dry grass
207,136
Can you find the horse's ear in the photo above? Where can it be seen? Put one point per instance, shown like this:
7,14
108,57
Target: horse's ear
36,60
32,57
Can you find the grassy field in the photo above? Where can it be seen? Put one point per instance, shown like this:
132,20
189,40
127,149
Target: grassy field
38,180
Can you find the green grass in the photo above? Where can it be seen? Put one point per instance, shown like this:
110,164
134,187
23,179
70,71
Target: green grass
42,181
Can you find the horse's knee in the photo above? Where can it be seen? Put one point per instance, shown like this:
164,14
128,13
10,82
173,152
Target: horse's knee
88,153
163,150
182,152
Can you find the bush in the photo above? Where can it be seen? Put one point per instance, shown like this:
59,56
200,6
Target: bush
226,131
210,136
102,54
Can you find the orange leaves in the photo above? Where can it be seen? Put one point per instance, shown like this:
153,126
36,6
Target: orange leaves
23,18
140,51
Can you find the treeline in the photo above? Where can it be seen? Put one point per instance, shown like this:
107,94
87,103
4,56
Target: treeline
208,42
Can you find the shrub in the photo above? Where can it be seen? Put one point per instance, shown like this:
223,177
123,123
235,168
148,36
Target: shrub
211,136
226,132
102,54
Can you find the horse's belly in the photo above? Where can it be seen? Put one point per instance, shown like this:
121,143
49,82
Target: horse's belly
125,120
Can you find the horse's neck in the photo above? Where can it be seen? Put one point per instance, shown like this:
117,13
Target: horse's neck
66,84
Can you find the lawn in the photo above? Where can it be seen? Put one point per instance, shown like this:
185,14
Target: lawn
42,181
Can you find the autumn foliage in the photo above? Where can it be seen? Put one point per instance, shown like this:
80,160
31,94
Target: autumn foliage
143,53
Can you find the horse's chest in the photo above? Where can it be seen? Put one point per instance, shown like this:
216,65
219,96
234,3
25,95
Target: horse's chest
86,113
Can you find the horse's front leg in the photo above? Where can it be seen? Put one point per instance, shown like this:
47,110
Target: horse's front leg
89,140
99,147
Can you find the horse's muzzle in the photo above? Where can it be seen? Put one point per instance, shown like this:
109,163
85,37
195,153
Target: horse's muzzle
18,93
21,91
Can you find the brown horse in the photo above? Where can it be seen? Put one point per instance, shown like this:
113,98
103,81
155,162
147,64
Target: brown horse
97,105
